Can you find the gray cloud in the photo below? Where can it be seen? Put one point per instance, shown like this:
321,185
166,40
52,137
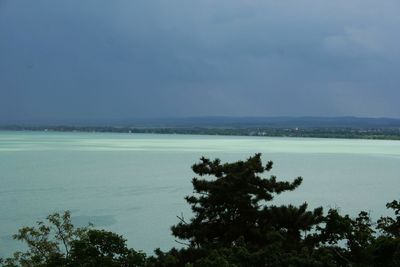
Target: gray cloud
122,59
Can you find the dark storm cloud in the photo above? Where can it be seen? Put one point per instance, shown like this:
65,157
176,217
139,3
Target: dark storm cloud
106,60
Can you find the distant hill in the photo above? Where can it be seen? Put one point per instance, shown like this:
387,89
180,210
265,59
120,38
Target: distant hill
272,122
229,122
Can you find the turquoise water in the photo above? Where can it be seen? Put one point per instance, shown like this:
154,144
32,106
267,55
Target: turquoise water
134,184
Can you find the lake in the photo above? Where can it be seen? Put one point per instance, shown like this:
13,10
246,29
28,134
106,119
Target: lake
134,184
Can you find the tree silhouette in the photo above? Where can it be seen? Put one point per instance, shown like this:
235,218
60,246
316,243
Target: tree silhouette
233,206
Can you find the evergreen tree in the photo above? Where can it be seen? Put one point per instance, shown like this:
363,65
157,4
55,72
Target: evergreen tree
233,207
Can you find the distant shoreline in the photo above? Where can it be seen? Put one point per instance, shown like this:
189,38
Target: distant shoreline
325,132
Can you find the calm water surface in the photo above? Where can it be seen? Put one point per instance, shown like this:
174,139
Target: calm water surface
134,184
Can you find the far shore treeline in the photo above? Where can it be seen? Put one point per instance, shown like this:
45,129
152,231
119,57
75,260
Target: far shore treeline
317,127
233,224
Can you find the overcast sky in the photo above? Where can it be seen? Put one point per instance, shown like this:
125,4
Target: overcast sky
99,60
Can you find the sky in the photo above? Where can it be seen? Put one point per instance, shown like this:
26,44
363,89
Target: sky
98,60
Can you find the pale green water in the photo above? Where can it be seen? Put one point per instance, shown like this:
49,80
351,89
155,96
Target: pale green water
135,184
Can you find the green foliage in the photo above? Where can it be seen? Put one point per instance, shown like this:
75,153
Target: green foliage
58,243
233,205
47,242
102,248
391,226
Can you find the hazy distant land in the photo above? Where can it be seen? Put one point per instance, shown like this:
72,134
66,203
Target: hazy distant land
321,127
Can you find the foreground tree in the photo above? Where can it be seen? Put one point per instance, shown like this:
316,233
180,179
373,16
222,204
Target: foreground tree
58,243
103,248
232,208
